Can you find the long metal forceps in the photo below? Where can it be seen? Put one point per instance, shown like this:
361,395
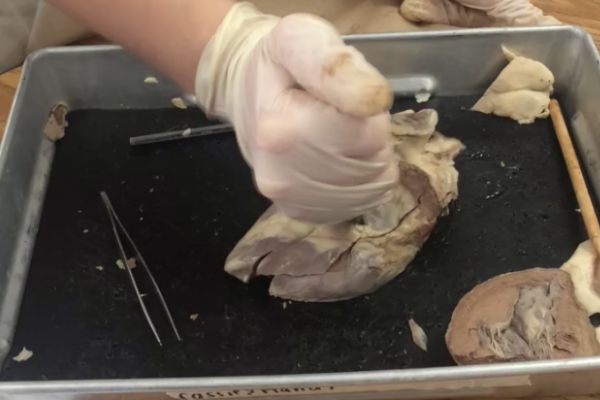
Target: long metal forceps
116,226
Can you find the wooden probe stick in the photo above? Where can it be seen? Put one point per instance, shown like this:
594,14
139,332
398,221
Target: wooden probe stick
581,191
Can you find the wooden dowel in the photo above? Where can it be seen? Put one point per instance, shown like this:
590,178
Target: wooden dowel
588,212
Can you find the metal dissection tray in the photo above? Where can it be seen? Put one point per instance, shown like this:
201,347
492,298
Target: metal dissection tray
101,83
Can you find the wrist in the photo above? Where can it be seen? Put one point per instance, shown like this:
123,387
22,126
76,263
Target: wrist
222,68
225,54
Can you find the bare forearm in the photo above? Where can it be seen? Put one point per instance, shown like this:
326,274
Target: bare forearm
169,34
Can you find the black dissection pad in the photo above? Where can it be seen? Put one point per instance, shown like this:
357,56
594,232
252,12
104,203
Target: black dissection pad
187,203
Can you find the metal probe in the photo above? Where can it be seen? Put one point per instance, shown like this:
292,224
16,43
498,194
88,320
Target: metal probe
179,134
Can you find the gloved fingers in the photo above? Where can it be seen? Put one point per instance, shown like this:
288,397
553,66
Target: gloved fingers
499,8
305,137
511,12
283,183
281,178
307,162
346,202
548,20
445,12
327,215
340,170
324,127
357,138
300,158
312,52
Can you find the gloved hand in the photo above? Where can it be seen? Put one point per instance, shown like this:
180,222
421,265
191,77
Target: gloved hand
476,13
310,114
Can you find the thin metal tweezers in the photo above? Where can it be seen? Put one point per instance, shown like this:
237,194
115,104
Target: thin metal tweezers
116,225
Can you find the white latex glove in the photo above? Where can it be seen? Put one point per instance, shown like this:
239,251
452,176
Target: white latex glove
476,13
310,114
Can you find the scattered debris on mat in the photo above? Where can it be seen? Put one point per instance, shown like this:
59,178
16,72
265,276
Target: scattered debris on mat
131,264
418,335
151,80
57,122
178,102
422,97
24,355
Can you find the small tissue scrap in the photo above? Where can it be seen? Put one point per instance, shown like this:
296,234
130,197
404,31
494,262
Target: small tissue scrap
320,263
422,97
521,91
419,336
151,80
130,262
24,355
57,122
179,103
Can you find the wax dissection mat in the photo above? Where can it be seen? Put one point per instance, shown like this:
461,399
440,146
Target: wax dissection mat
187,203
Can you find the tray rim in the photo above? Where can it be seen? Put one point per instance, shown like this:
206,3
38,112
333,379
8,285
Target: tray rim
371,379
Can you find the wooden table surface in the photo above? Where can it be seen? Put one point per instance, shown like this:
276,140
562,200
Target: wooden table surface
584,13
8,85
